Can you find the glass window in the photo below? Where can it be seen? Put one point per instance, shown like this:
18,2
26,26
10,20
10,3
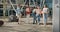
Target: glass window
1,6
1,12
13,1
48,1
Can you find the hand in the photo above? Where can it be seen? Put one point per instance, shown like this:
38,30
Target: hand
41,12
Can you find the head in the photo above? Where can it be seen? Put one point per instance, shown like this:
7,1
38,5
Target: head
45,6
27,6
18,5
38,7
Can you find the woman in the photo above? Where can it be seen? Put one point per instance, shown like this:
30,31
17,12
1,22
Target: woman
28,11
45,14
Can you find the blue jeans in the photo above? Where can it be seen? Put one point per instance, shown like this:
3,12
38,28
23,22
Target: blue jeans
45,18
35,18
38,18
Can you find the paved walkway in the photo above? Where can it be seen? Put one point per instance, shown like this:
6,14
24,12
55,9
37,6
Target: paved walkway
14,27
31,20
23,27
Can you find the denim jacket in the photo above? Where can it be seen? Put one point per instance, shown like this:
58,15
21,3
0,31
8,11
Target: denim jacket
18,11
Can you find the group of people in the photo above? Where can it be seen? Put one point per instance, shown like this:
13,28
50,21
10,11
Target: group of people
36,14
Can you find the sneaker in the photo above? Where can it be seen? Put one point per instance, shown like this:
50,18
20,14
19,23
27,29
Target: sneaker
33,23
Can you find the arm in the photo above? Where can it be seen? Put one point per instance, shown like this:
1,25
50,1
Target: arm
33,10
40,11
47,10
15,10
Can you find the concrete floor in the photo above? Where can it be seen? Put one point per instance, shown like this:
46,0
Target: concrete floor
23,27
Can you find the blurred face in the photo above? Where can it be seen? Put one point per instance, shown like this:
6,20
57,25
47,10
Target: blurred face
27,6
18,5
44,6
38,7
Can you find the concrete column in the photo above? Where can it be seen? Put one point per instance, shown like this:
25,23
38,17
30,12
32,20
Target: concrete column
56,16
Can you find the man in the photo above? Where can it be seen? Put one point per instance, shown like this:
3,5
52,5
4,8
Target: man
45,14
38,12
18,13
34,15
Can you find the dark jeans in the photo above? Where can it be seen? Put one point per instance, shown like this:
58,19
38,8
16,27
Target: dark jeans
35,18
38,18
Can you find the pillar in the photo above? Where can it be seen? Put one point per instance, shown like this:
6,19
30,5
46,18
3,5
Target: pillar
56,16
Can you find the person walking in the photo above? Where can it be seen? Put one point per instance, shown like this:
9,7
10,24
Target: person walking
28,11
45,14
34,15
38,13
18,13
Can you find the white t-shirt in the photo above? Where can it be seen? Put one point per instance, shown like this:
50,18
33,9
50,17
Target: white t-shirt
45,10
37,11
34,10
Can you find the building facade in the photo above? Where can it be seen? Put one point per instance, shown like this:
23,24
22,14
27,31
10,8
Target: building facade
6,5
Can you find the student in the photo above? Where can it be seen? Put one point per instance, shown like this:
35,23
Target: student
18,13
28,11
45,14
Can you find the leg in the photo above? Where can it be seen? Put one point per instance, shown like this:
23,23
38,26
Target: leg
38,19
19,18
34,18
27,19
45,19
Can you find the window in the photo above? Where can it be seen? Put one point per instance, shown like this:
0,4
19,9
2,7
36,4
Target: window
48,1
1,6
1,12
13,1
